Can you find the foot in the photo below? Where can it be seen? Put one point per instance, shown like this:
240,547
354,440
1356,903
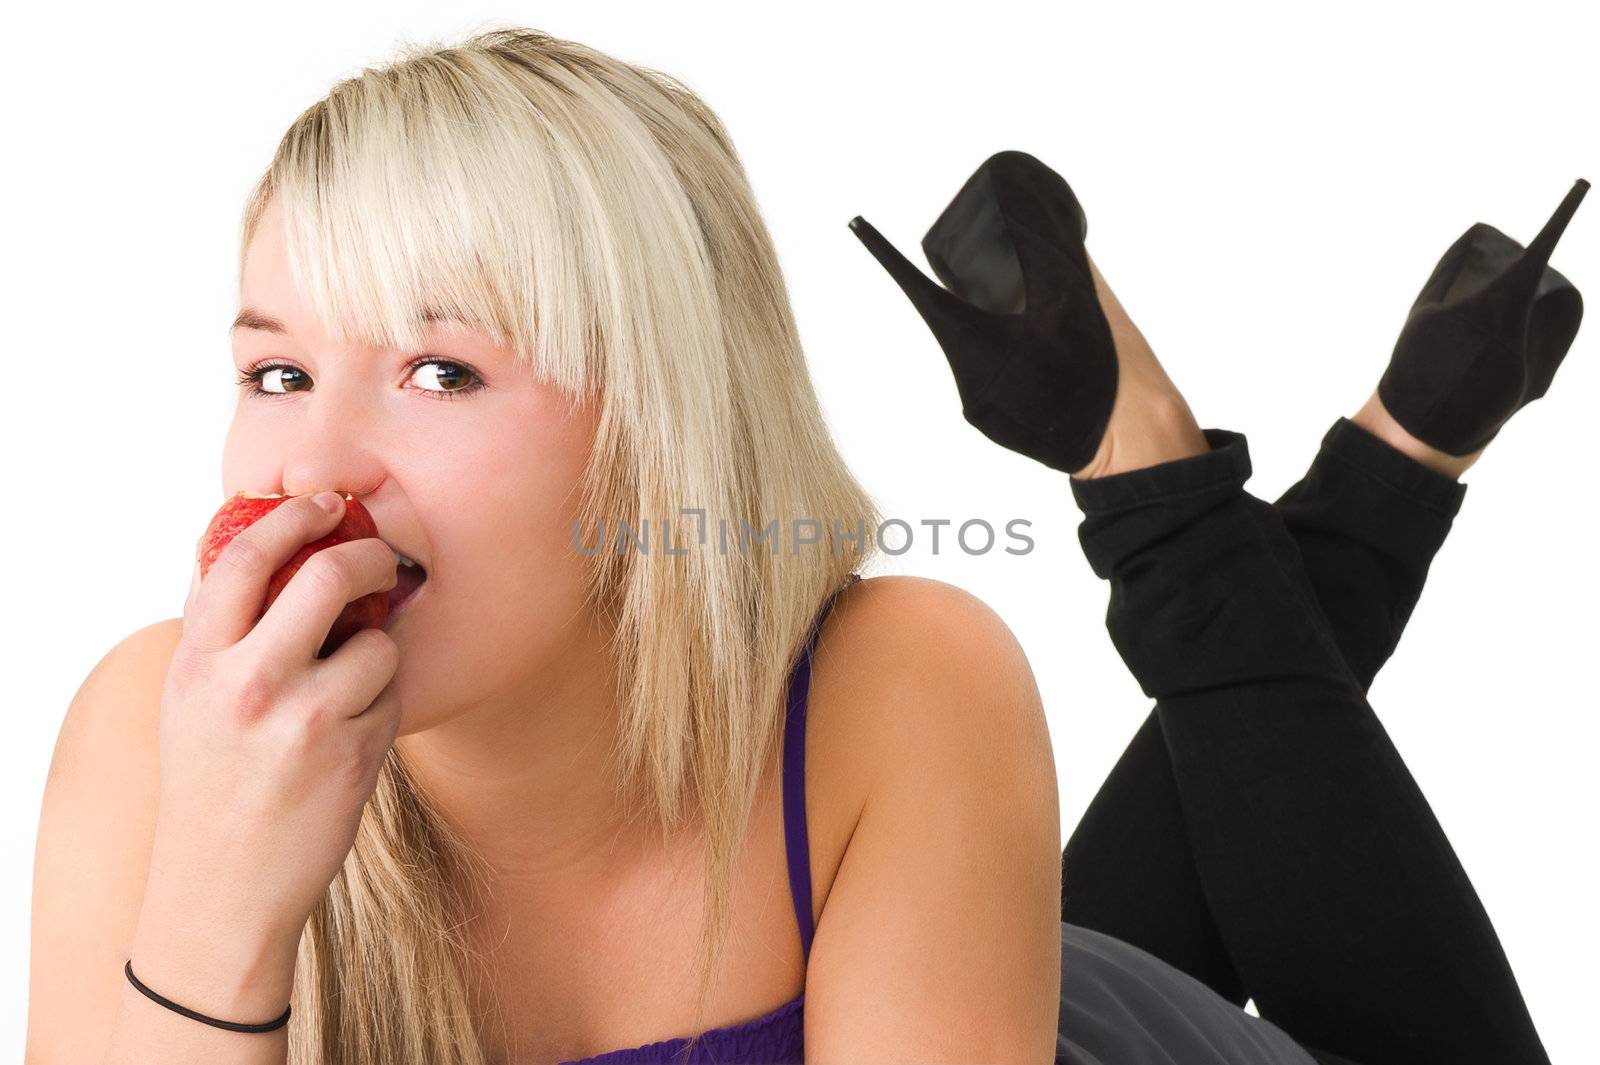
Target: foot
1150,420
1376,419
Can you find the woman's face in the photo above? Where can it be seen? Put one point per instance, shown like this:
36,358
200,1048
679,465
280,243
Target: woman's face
479,486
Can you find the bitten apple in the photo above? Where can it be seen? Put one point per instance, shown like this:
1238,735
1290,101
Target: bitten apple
246,508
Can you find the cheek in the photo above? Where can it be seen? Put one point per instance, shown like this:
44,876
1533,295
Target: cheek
510,580
499,620
520,564
513,505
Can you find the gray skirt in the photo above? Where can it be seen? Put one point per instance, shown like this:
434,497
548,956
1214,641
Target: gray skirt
1123,1006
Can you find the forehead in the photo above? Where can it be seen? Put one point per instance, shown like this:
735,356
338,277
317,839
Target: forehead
267,238
266,284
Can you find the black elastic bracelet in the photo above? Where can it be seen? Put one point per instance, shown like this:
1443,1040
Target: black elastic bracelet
230,1025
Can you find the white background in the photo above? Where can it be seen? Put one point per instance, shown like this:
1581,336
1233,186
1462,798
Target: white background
1267,187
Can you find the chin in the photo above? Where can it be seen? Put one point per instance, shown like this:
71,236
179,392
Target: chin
474,647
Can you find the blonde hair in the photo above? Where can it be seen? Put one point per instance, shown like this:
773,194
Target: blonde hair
595,215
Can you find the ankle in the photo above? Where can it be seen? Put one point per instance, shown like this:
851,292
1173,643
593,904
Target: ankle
1376,419
1150,421
1146,430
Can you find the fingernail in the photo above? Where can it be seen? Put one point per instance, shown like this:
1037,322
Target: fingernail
329,501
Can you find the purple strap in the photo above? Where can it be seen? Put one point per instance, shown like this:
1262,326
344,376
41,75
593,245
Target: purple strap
794,777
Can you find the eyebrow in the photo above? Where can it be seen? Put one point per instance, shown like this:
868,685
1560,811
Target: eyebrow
250,318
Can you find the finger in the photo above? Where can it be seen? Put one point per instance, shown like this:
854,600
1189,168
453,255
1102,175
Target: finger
379,724
350,681
230,599
297,623
377,728
188,600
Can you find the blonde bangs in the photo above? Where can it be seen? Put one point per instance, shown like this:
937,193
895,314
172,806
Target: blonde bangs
410,194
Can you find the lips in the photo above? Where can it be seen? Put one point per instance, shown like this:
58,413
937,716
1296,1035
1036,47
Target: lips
408,580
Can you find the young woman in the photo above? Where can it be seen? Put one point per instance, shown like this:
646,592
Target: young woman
598,786
509,294
1260,838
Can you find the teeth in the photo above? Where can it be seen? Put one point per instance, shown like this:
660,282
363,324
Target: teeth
404,561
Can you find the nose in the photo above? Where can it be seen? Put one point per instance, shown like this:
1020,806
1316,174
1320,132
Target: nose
330,447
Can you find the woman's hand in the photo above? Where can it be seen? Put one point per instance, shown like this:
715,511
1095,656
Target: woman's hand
268,754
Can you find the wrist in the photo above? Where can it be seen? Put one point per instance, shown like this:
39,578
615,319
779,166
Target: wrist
228,969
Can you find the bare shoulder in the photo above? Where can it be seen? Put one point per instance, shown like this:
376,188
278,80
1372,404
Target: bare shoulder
118,702
914,655
938,936
930,619
912,673
96,825
116,707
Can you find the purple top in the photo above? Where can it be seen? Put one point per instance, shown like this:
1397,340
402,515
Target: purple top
773,1037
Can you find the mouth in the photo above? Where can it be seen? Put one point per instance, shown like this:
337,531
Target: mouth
409,579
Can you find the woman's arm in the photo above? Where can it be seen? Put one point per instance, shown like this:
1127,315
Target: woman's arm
91,861
940,936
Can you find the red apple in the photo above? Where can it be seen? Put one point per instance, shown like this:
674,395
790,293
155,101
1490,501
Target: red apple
245,508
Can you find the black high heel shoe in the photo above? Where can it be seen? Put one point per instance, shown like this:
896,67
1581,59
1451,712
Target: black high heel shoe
1484,337
1021,323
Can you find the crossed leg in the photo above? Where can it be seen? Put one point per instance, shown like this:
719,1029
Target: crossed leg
1261,832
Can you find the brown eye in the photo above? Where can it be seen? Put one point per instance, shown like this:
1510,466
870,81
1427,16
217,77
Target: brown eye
457,378
287,379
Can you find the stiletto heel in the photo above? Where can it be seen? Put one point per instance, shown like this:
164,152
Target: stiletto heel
1019,321
1484,337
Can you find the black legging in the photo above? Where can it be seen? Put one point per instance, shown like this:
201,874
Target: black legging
1261,832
